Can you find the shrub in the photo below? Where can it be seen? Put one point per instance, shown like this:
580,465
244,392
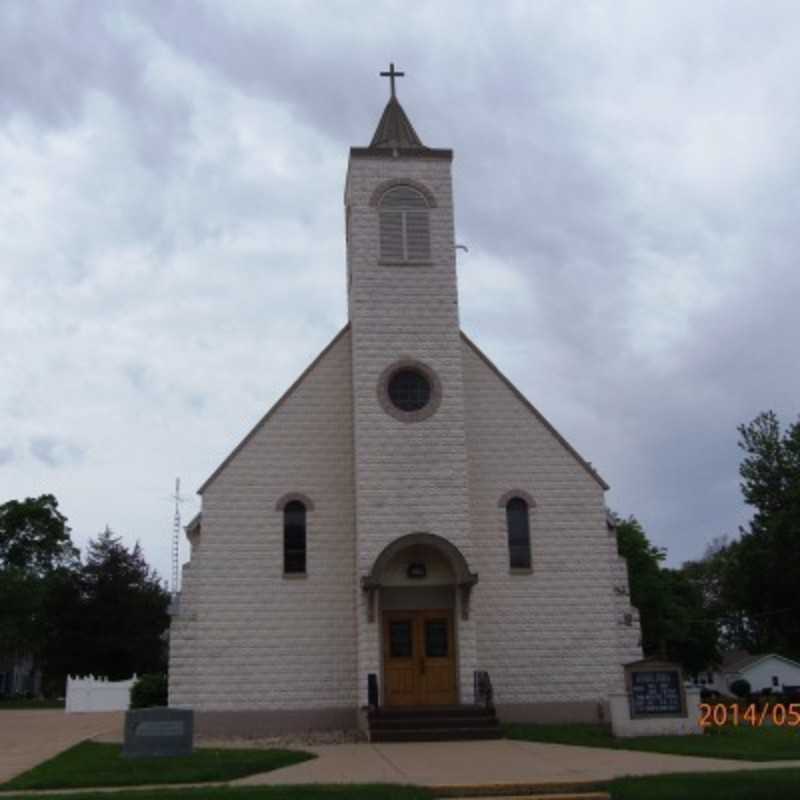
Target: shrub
741,688
149,691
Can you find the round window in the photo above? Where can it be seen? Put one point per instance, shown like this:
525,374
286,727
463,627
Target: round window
409,389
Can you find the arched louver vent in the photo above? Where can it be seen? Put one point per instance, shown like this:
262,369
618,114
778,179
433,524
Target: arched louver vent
392,235
404,225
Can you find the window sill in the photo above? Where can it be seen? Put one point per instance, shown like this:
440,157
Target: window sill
520,570
386,262
293,576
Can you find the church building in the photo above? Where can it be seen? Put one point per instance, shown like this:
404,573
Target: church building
403,528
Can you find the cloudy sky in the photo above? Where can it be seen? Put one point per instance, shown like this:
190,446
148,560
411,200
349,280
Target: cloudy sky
172,244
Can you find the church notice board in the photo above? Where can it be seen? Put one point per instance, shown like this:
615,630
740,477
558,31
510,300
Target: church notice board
655,689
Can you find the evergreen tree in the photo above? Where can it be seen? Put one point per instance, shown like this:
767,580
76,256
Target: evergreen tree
124,610
750,585
766,567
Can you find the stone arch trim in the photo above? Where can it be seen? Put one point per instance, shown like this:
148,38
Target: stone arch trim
384,187
290,497
512,493
464,578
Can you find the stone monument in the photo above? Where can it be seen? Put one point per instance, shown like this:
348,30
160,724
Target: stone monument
158,732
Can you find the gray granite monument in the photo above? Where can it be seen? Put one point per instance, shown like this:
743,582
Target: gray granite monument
158,732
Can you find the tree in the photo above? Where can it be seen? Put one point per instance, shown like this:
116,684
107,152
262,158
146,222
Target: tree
691,632
767,556
68,642
717,578
20,605
645,583
124,610
674,621
106,617
35,547
34,536
749,586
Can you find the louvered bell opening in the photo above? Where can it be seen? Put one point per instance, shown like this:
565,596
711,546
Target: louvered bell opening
403,197
391,223
418,236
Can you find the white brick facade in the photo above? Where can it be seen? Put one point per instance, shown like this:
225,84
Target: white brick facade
410,477
249,638
556,633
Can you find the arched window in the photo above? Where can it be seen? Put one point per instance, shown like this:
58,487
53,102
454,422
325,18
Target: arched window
294,537
404,225
519,533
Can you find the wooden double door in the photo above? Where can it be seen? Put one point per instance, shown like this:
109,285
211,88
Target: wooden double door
419,663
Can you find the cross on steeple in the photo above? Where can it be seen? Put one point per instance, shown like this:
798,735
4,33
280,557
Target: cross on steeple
391,75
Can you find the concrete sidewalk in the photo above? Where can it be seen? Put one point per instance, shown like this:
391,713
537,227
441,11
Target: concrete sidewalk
501,762
29,737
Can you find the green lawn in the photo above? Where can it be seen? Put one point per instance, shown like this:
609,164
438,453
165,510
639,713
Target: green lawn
90,764
768,784
15,703
744,743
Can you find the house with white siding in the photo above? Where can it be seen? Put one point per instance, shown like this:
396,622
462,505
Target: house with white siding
403,528
770,671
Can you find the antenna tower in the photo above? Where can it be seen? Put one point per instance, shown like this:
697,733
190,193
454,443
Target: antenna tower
176,536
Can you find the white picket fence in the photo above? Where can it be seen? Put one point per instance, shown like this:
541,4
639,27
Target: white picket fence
97,694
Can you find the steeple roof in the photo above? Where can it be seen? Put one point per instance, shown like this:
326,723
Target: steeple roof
395,128
395,135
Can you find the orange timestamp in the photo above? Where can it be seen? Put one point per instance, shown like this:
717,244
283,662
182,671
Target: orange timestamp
720,714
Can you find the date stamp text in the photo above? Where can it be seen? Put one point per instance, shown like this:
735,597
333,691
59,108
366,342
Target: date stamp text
721,714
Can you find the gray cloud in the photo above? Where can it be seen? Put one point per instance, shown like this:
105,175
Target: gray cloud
55,452
173,248
7,455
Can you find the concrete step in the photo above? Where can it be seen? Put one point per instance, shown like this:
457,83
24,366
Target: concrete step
451,734
433,723
395,723
398,712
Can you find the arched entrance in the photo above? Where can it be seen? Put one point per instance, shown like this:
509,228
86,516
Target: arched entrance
417,583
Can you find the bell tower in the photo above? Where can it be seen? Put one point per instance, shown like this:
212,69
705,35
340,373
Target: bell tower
408,397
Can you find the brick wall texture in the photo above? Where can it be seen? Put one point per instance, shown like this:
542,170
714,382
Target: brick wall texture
249,638
246,637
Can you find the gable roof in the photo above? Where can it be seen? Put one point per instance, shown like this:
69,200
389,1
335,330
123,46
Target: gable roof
481,355
524,400
278,403
733,658
194,522
747,660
